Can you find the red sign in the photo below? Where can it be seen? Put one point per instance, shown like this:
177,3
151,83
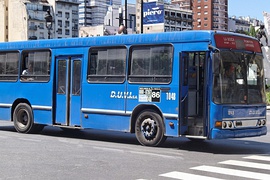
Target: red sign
237,42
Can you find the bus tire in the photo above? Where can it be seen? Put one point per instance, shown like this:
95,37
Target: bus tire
23,118
149,128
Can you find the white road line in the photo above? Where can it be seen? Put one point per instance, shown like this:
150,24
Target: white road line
247,164
233,172
186,176
156,155
261,158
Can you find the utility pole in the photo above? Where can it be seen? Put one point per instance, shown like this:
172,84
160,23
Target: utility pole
141,16
126,13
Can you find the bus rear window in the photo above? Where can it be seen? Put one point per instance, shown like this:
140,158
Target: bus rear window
151,64
9,66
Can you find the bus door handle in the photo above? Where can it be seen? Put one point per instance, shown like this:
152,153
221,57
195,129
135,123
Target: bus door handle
184,98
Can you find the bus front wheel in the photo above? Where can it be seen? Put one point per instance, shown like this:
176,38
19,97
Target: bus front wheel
23,118
149,128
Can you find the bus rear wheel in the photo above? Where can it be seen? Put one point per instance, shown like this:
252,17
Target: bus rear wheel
149,128
23,118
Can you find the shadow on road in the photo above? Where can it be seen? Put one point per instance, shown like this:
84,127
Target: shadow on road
224,146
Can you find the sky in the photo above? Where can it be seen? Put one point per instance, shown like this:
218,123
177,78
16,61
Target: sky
251,8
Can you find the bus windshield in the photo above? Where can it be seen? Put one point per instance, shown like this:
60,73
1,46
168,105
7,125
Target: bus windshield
238,78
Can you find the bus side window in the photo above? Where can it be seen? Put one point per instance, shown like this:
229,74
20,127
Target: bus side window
9,62
107,64
35,65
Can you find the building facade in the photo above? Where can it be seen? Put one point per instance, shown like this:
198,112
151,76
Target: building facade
184,4
210,15
29,21
66,19
169,17
92,12
207,14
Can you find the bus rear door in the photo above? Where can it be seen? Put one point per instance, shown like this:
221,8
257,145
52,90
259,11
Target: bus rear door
68,91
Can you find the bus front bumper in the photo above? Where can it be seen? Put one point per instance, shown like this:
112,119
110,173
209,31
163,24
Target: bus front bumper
237,133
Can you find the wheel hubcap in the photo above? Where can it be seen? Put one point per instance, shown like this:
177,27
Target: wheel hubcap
22,118
148,128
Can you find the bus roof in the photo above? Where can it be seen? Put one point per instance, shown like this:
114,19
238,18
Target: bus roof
166,37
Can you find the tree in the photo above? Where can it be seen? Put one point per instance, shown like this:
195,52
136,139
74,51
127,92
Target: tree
252,31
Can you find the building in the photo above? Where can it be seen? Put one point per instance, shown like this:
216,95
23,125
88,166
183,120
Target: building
92,12
116,15
207,14
210,15
158,16
29,22
23,19
66,19
242,24
3,20
184,4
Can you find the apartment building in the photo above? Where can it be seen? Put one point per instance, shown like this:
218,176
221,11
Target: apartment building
207,14
66,19
183,4
210,14
29,21
92,12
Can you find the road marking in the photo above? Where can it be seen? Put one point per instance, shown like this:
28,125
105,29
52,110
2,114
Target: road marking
255,157
246,164
31,140
232,172
108,149
186,176
156,155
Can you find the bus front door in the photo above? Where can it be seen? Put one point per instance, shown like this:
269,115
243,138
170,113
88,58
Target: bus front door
68,91
193,107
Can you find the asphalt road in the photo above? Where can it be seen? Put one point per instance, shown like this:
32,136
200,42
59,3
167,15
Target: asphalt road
91,154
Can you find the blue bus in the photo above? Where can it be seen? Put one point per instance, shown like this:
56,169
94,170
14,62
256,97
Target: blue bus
194,84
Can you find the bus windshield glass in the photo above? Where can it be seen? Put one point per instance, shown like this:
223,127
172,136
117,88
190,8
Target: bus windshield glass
238,78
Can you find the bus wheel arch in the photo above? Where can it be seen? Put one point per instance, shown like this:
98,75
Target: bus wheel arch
148,125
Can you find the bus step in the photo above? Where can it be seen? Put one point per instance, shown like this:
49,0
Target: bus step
195,130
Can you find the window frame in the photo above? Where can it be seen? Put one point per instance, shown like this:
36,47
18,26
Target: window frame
14,77
106,78
35,77
155,78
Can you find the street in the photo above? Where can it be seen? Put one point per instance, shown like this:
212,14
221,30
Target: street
92,154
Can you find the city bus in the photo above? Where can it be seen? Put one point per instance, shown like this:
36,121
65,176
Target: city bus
194,84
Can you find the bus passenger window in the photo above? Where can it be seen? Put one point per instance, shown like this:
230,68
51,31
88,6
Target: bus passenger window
36,66
151,64
107,64
9,66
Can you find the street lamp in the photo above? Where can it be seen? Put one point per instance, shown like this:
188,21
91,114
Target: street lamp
48,19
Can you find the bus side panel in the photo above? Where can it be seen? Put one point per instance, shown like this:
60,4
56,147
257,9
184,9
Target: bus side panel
103,106
43,116
171,130
106,122
5,113
38,95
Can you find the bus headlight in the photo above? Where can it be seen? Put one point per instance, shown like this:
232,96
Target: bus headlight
230,124
224,124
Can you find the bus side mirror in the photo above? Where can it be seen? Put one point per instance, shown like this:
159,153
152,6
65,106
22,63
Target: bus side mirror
216,63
